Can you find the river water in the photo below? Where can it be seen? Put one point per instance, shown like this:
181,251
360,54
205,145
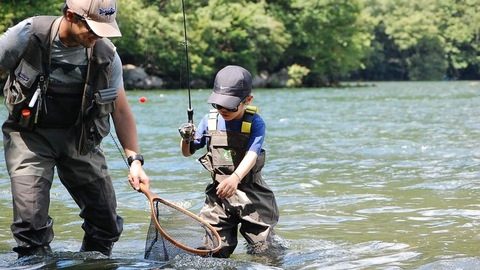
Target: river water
385,176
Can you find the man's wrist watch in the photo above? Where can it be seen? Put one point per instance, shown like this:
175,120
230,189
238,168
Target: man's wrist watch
135,157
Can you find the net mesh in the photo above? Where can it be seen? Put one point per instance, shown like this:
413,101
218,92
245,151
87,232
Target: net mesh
182,228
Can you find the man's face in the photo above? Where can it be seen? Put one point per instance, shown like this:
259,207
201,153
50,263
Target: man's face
82,33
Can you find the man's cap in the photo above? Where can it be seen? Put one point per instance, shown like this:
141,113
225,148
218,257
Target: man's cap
232,85
99,15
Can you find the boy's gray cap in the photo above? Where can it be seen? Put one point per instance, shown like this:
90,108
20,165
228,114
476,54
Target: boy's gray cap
232,85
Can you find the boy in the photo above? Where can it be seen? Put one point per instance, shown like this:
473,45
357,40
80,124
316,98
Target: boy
234,133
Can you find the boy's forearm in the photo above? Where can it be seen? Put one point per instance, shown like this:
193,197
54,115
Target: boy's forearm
246,164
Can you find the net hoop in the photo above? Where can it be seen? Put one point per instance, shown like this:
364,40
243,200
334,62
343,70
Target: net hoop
152,198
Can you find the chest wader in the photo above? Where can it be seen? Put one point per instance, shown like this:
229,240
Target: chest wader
253,205
54,125
33,102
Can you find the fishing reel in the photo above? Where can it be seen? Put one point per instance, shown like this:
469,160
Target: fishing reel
187,132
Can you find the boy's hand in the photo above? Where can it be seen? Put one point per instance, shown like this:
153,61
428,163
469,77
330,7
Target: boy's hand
187,132
228,186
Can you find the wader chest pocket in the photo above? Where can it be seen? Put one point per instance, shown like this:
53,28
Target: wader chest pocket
18,88
104,102
222,154
96,122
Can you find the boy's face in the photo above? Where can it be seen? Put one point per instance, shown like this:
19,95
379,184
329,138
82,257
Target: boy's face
234,114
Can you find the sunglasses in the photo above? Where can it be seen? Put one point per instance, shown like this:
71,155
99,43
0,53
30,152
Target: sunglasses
81,18
218,107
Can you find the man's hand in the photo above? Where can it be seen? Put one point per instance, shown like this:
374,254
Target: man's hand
187,132
137,175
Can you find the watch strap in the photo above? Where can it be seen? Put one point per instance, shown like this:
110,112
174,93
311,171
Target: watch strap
135,157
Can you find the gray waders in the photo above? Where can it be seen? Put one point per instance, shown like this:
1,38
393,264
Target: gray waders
31,158
253,206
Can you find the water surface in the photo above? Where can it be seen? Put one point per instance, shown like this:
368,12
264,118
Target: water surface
379,177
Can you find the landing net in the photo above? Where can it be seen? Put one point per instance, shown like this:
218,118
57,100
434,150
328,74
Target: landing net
174,231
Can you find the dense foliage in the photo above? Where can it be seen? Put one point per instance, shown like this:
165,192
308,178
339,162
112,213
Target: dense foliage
424,40
315,42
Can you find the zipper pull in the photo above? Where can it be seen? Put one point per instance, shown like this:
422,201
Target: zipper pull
35,97
39,108
38,96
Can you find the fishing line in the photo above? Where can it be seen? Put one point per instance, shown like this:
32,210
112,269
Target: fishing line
119,150
164,240
185,42
190,109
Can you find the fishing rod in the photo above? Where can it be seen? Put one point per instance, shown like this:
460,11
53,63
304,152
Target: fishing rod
190,109
185,41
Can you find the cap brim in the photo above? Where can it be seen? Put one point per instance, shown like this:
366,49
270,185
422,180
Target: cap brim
229,102
104,29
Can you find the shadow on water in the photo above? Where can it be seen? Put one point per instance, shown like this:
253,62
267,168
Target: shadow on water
82,260
318,255
95,260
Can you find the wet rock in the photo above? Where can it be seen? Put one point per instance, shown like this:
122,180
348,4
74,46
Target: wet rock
136,78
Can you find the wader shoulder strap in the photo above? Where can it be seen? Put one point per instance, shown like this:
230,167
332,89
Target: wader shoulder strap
250,111
53,33
55,28
44,29
212,120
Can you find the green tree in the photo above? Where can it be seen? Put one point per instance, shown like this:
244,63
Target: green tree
460,30
334,39
151,39
219,33
14,11
329,37
296,74
241,32
428,61
442,32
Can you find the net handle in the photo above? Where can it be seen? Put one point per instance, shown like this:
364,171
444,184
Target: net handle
152,197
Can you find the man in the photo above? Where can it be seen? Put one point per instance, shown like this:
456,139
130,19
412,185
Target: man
65,81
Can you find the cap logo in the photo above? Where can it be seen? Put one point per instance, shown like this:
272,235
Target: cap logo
224,87
106,11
